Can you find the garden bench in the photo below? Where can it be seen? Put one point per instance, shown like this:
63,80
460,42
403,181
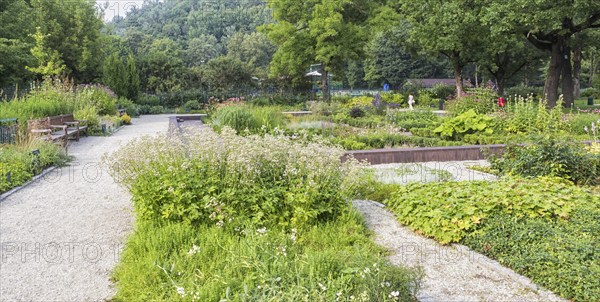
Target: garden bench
8,130
57,128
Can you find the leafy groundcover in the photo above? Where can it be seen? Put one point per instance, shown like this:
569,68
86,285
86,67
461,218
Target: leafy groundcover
544,228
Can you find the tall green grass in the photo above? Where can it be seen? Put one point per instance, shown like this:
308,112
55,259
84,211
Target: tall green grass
253,119
335,261
57,98
22,165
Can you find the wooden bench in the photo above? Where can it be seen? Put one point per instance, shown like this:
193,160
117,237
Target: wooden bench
57,128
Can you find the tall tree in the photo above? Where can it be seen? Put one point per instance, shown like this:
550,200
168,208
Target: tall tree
550,26
328,32
451,28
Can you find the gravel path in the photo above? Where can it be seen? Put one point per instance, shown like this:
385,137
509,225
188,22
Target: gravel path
452,273
61,236
431,172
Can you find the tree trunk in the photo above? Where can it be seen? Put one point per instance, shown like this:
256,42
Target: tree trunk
593,64
500,86
324,83
553,74
458,77
577,71
567,77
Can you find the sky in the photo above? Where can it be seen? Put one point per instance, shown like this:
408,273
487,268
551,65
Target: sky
118,7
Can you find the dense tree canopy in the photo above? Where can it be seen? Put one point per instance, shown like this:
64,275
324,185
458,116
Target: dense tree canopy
65,32
550,26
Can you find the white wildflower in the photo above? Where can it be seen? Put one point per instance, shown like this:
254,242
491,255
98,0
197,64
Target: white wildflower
193,250
395,294
293,236
181,291
262,231
323,287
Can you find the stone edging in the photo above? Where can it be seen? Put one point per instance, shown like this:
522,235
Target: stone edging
34,179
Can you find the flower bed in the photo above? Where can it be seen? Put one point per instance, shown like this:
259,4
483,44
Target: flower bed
248,218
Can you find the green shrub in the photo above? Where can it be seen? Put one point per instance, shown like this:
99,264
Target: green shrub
272,180
561,255
131,108
269,118
525,115
524,91
427,99
413,119
549,157
467,123
157,110
480,100
90,117
356,112
97,96
22,165
590,92
578,122
238,118
193,105
442,91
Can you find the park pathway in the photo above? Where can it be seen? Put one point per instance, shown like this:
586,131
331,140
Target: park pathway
451,273
61,236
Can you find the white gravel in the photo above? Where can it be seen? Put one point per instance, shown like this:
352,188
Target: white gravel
430,172
451,273
61,236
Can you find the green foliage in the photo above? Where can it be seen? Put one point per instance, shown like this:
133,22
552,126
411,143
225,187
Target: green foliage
591,92
254,119
524,115
228,76
326,262
99,97
413,119
482,101
22,165
549,157
388,140
238,118
577,123
271,180
451,211
121,75
156,110
356,112
468,122
442,91
561,255
323,20
193,105
130,108
89,114
49,61
525,91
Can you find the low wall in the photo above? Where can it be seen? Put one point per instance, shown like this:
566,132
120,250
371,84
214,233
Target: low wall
415,155
421,155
